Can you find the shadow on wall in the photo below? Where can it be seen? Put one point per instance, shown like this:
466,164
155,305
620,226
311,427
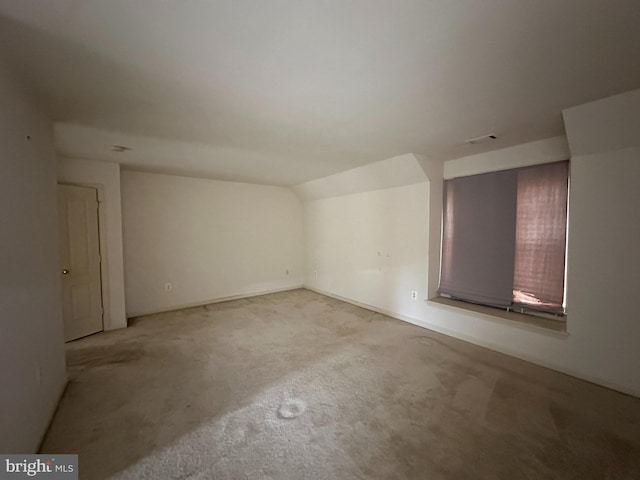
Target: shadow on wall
103,76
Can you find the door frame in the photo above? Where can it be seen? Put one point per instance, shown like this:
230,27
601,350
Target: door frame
102,242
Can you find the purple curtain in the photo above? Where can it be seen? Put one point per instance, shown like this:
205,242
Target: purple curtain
478,244
541,230
504,237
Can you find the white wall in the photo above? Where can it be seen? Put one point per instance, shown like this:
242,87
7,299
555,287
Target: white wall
604,125
533,153
209,239
370,247
31,339
392,172
604,264
604,226
344,234
106,178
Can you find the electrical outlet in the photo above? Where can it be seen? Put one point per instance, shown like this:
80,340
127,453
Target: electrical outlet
167,287
414,295
287,271
315,272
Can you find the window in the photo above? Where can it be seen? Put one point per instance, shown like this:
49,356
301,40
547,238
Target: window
504,237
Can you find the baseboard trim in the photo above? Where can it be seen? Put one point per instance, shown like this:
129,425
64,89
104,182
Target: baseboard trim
216,300
481,343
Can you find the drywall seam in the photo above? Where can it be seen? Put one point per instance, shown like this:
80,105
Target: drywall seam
475,341
218,300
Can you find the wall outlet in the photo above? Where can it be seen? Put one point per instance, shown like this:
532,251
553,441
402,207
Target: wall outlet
414,295
315,272
287,271
167,287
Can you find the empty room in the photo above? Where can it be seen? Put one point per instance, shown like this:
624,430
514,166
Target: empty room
320,239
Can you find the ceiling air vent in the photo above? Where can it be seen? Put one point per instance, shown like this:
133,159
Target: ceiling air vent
119,148
483,138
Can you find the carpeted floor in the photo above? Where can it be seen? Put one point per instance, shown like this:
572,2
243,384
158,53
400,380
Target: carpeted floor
296,385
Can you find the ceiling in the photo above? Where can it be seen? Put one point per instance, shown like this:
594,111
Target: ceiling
285,91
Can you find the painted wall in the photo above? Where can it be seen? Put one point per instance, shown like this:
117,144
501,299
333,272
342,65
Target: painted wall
392,172
604,225
106,177
370,247
605,125
534,153
209,239
344,235
31,341
604,264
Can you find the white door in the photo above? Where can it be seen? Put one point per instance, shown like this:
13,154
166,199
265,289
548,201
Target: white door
80,261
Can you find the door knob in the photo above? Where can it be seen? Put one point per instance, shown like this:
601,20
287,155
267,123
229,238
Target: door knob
65,271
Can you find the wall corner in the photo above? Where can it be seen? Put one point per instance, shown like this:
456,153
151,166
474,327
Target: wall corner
434,170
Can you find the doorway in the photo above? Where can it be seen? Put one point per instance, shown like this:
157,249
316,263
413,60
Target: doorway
80,261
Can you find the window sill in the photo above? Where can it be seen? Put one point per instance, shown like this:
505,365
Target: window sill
520,319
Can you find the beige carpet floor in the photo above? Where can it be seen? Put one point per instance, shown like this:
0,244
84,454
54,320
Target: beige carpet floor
296,385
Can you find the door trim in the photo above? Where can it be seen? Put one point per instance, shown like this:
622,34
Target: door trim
102,241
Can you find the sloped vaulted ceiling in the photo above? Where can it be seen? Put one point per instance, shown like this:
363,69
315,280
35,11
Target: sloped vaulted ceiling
286,91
